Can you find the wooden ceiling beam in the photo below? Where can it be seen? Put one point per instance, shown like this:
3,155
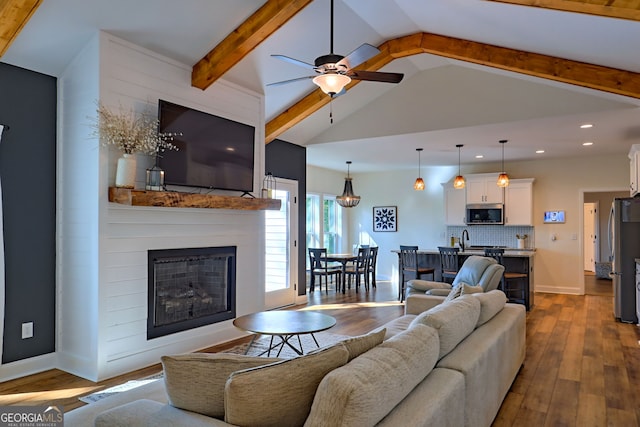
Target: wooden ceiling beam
15,14
608,8
264,22
592,76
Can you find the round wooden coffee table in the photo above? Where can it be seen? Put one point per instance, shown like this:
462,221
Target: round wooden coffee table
284,325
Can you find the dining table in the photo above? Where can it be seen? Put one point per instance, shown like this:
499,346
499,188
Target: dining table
343,259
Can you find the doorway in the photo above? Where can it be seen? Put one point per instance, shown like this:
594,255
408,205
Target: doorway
590,236
595,282
281,254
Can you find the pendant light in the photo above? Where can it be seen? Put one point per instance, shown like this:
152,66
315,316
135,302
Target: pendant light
458,182
419,184
503,178
348,199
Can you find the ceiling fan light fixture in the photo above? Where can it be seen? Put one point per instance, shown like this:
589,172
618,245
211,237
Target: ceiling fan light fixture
458,182
503,178
332,83
348,199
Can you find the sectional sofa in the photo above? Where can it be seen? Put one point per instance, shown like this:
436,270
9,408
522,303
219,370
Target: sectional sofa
451,365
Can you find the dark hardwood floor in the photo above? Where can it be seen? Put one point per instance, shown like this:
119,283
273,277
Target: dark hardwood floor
582,368
594,285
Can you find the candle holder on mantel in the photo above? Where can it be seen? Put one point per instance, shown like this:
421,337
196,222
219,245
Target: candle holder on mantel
155,178
268,186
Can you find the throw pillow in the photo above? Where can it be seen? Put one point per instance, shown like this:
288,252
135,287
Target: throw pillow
196,381
362,343
490,304
463,289
281,393
453,321
364,391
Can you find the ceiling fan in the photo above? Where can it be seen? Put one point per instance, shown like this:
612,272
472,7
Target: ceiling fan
334,71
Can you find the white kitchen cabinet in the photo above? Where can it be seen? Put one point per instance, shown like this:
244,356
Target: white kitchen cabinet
518,203
454,205
634,177
482,188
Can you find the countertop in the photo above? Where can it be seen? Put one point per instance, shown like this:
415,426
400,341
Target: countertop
508,252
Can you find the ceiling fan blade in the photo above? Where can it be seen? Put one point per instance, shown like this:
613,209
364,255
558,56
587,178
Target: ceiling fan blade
295,61
290,81
375,76
363,53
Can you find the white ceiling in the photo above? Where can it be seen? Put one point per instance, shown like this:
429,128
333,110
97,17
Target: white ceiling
440,102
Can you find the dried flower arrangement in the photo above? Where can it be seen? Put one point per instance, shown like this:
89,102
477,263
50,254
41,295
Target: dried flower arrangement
132,133
524,236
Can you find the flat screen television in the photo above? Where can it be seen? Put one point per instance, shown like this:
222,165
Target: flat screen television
213,152
553,217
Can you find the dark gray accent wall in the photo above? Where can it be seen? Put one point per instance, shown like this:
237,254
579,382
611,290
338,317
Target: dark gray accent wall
28,176
286,160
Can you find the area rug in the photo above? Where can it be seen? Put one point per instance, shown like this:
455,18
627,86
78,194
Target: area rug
261,345
129,385
258,348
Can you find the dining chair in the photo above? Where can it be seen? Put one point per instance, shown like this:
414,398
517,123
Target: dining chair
373,259
359,268
449,262
409,266
320,268
511,281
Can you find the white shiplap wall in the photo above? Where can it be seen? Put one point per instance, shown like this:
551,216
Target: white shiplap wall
117,237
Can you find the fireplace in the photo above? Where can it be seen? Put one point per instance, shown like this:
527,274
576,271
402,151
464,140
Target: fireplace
188,288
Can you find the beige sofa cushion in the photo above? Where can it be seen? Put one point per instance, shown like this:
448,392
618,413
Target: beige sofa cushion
363,343
365,390
281,393
490,304
145,413
196,381
453,320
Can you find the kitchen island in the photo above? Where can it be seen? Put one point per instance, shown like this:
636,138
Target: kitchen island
515,260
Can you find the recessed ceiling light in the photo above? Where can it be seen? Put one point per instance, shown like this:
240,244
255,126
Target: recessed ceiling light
588,143
586,126
479,156
539,151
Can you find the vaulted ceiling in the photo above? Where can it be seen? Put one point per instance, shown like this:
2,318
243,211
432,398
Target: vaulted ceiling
576,59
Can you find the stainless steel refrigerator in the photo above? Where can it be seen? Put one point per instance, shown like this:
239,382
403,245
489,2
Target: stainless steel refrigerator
624,243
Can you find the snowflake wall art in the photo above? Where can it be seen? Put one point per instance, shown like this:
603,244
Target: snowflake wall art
385,218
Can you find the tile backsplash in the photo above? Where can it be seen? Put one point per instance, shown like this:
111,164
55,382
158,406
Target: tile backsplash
494,235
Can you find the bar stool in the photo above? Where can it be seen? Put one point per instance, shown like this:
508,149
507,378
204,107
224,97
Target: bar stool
449,262
409,266
514,292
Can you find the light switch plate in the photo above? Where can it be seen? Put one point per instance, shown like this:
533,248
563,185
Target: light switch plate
27,330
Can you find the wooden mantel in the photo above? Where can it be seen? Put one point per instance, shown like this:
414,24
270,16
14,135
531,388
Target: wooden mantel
174,199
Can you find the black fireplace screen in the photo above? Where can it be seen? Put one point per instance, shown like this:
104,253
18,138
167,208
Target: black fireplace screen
189,288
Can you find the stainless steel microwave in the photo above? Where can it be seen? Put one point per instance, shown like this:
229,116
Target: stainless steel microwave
485,214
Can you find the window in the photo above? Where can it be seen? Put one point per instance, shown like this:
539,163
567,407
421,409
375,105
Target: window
331,224
323,223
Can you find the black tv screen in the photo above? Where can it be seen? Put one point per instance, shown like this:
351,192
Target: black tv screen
213,152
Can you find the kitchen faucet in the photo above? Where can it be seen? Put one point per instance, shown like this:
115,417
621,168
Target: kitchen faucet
462,238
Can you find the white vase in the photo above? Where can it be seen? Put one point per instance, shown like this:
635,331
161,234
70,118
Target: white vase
126,171
520,243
